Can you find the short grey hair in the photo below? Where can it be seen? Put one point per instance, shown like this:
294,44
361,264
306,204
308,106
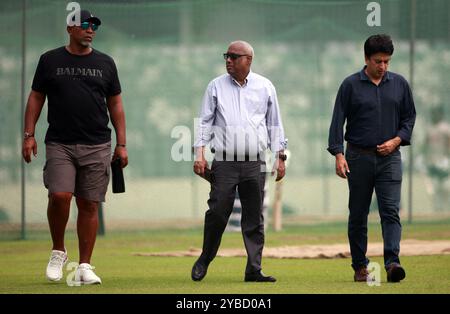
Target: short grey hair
247,46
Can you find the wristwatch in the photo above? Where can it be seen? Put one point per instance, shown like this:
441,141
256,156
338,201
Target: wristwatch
27,135
282,156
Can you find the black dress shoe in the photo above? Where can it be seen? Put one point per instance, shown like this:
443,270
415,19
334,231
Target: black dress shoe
198,271
258,276
395,272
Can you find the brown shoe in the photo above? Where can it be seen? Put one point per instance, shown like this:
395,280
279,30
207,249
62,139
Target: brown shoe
361,274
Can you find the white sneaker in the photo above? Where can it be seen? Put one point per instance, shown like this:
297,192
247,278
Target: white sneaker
55,265
85,275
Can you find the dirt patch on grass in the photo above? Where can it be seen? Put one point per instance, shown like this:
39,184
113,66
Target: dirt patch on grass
408,248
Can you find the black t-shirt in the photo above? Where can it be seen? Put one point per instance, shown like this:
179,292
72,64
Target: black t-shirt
76,88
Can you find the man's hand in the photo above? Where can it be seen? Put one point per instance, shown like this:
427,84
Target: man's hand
281,169
34,106
29,145
389,146
279,165
200,162
122,153
341,166
199,166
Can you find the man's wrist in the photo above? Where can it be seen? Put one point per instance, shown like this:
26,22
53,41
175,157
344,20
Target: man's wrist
27,135
282,156
121,145
200,153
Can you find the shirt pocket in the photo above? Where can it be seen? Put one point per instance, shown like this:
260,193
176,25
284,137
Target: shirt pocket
255,105
363,104
351,155
396,167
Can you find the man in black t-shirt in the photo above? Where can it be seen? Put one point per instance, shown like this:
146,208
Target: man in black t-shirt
82,86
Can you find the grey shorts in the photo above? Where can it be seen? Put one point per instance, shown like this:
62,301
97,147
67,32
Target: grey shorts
82,170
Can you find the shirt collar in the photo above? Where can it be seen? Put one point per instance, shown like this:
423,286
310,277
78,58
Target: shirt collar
249,77
363,76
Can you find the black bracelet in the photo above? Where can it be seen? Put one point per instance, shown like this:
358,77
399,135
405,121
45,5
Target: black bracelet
120,145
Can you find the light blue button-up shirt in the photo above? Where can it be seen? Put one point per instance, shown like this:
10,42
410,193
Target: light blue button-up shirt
241,120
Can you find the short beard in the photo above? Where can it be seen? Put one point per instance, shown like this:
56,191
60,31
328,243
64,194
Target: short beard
85,44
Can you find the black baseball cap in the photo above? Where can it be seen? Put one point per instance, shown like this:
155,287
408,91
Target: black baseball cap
86,16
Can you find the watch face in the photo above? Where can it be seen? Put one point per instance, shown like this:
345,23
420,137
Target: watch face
27,135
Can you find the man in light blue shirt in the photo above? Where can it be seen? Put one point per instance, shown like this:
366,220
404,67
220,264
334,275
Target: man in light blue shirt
240,119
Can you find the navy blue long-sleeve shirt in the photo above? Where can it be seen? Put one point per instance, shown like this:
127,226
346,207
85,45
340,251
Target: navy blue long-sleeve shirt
374,113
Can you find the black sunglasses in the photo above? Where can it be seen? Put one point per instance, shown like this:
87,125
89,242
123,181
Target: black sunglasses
233,56
85,26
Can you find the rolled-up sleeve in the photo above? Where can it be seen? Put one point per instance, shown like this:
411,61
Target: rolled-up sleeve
407,116
336,132
277,140
207,115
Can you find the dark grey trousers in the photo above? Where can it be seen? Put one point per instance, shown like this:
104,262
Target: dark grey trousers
249,179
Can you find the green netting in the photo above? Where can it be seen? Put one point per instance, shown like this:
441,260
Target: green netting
167,52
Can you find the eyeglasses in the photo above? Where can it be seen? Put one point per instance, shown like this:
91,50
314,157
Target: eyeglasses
233,56
85,26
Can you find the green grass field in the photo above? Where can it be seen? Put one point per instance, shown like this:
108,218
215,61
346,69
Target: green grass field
22,263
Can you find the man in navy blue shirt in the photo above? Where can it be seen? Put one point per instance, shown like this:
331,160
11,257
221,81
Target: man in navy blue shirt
378,108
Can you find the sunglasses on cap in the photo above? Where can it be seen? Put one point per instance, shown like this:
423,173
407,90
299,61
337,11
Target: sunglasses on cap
85,26
233,56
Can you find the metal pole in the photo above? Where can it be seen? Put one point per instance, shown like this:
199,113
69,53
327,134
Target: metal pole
101,221
186,33
322,128
411,82
278,207
194,190
22,101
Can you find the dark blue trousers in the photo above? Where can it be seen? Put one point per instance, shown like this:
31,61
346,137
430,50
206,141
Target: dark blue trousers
369,171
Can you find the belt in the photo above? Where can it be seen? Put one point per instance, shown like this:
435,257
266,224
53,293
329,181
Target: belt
235,157
365,150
